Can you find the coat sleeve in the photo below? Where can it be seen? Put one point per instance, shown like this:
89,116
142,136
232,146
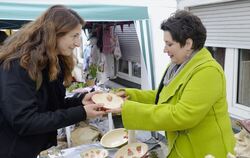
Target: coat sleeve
24,112
57,90
142,96
199,95
76,100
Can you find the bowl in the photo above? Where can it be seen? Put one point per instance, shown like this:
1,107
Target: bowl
110,100
94,153
132,150
115,138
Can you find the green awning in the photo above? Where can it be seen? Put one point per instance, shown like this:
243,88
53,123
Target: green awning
22,11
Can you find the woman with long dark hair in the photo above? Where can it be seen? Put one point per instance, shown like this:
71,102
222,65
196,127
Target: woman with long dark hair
35,67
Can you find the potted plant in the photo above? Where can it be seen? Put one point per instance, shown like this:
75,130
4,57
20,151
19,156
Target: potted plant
91,77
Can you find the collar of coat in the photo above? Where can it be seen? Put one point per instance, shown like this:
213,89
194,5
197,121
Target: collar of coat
198,59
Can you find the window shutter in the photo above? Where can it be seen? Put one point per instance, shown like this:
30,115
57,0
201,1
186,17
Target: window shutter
227,24
129,43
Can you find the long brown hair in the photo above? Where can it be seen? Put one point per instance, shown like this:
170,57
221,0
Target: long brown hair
35,44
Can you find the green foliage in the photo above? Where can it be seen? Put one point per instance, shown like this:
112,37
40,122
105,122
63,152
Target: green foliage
114,90
92,71
76,85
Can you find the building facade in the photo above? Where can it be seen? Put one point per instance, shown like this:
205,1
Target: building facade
228,38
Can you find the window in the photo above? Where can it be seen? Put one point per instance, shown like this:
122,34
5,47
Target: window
218,54
128,67
123,66
243,90
136,69
237,71
129,70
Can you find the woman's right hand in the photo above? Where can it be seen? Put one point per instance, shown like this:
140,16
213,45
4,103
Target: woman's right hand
115,111
122,94
94,110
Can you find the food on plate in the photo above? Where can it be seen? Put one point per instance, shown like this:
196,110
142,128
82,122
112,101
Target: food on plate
133,150
94,153
130,152
138,149
110,100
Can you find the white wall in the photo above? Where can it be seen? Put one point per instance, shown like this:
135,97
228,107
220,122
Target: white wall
157,14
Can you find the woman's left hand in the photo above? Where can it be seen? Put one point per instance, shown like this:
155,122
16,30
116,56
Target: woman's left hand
88,98
94,110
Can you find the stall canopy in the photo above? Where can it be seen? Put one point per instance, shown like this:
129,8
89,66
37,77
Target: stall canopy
14,15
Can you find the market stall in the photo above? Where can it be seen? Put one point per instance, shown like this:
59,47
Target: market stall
14,15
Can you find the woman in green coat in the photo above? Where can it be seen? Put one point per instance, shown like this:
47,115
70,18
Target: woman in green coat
190,104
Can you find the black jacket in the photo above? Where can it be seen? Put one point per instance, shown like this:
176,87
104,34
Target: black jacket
29,118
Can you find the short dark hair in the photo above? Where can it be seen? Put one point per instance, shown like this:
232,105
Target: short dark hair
183,25
3,36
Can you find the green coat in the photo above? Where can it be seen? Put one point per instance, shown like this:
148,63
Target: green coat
192,109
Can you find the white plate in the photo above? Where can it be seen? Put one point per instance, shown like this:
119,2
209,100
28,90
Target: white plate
94,153
132,150
115,138
110,100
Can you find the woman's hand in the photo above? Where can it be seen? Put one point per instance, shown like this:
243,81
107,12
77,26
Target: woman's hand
122,94
88,98
94,110
114,111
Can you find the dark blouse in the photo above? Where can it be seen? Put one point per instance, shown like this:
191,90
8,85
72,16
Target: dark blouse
29,118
